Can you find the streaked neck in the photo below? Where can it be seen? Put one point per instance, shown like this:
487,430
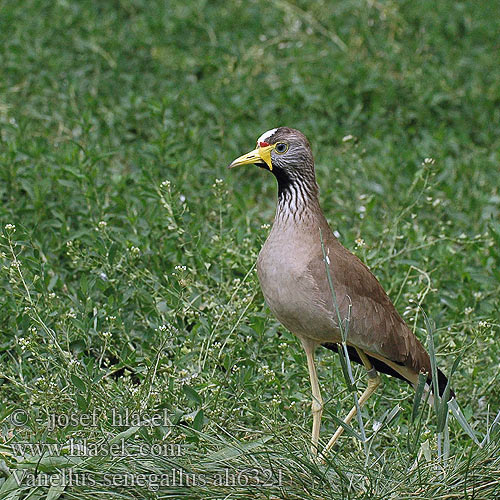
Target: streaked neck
297,200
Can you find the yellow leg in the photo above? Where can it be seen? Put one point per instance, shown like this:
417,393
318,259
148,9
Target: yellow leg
373,382
317,402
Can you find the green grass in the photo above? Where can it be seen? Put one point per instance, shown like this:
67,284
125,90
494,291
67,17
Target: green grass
123,292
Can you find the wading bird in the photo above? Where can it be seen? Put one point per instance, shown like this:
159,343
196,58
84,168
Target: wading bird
292,274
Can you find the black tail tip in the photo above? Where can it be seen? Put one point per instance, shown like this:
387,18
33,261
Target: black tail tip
442,382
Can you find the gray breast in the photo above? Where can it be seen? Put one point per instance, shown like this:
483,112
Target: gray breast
291,293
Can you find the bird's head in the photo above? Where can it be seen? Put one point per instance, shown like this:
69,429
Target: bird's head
284,151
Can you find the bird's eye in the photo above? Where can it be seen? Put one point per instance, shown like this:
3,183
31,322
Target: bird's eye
281,148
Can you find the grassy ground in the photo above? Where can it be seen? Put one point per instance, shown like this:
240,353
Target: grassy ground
128,281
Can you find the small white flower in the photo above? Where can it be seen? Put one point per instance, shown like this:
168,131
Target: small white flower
360,242
180,268
165,184
218,183
107,335
348,137
267,371
376,425
265,226
135,251
10,227
102,224
182,198
468,310
429,161
52,295
103,276
483,324
23,343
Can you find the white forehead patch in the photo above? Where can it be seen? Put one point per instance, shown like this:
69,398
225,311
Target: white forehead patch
266,135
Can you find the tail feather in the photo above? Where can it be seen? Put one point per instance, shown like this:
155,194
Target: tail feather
392,368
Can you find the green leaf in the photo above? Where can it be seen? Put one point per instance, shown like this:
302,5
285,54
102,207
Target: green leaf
233,451
49,463
55,491
84,284
198,420
125,434
78,383
192,395
112,253
52,282
83,403
12,483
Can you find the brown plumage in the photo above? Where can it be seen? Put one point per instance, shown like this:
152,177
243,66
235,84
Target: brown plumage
294,281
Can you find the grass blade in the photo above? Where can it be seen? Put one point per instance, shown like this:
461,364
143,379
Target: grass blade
457,412
491,430
419,391
432,355
347,428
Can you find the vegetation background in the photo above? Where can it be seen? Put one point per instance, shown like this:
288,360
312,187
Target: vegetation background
127,250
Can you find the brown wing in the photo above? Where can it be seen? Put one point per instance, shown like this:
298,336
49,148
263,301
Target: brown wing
375,326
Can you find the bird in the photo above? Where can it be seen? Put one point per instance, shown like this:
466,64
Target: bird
313,285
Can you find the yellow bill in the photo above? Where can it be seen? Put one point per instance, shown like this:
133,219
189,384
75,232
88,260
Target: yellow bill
258,156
